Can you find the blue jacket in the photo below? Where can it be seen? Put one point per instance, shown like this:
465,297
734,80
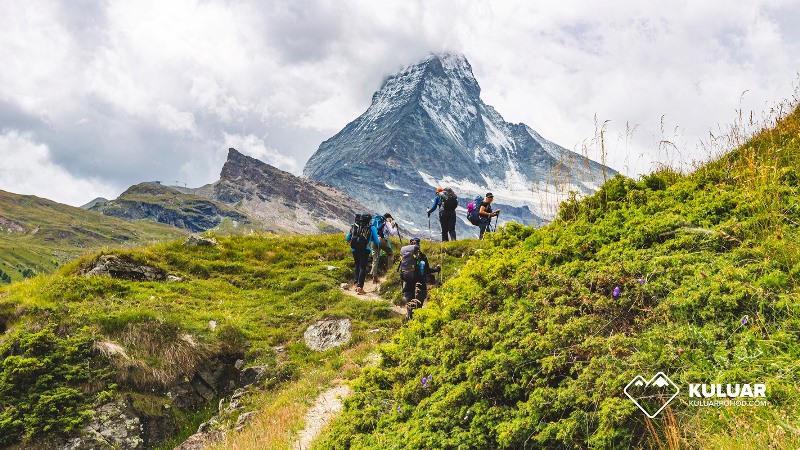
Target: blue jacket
437,202
374,239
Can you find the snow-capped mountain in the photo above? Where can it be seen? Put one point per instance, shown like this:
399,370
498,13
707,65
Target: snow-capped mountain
427,126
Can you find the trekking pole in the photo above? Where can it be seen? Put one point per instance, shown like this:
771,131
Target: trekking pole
430,233
399,235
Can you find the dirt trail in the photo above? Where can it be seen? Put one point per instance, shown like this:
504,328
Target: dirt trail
372,294
325,407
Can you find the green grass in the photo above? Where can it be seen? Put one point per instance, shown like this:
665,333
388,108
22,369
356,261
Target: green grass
530,347
261,291
46,235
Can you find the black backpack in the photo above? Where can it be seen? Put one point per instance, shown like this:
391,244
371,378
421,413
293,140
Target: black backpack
360,231
449,199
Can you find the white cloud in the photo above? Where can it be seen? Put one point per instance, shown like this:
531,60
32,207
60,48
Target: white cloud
27,169
151,81
173,120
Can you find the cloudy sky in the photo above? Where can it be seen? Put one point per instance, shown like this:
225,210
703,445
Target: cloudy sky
98,95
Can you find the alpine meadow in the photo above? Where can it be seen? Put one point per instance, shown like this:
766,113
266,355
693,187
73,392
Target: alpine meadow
529,342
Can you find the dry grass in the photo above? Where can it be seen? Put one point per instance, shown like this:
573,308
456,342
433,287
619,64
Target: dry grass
281,413
153,354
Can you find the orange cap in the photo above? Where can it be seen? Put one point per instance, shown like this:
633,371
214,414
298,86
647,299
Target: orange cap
439,189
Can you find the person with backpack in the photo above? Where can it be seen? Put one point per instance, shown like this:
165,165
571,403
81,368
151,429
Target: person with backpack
472,211
447,201
485,212
414,268
361,234
386,227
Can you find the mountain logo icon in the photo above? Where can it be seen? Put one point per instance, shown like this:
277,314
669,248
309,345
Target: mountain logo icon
651,396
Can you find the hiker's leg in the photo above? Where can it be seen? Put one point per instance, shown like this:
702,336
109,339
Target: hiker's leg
421,292
363,259
389,253
482,226
451,225
408,287
376,257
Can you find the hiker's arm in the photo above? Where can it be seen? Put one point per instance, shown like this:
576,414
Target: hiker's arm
482,212
434,205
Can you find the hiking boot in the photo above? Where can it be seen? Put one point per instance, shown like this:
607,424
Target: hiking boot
360,290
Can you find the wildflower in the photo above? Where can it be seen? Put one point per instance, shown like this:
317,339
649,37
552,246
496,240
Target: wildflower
616,292
430,378
399,409
744,320
640,280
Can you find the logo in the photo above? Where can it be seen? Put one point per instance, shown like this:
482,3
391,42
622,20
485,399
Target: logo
651,396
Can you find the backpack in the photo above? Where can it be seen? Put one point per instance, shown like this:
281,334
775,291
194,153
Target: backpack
360,231
409,255
378,222
449,199
473,209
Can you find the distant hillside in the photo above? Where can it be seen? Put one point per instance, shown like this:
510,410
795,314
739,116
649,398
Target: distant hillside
164,204
276,197
534,343
249,196
39,235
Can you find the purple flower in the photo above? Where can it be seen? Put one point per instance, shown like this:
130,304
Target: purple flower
640,280
430,378
399,409
744,320
616,292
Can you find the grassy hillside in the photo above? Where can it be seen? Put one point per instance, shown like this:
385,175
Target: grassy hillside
71,342
532,345
38,235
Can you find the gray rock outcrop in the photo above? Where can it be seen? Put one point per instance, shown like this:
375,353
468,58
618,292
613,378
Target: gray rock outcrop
327,334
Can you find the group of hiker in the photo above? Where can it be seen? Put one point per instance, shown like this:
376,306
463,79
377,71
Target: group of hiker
479,212
370,235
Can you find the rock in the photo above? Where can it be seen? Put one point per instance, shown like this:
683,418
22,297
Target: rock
252,375
213,325
327,334
199,241
123,268
173,279
243,419
114,426
344,286
200,441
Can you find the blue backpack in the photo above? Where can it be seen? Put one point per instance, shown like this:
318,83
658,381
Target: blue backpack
378,222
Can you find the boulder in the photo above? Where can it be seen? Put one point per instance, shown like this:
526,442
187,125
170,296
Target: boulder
199,241
327,334
123,268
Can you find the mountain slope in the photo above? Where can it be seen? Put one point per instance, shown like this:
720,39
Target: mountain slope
427,126
534,343
277,197
38,235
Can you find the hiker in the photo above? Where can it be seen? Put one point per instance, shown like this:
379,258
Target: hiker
447,201
413,269
386,227
361,234
485,212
